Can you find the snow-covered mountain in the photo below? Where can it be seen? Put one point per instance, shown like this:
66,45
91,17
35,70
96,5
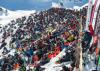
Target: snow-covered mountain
6,19
11,15
7,15
78,8
3,11
55,5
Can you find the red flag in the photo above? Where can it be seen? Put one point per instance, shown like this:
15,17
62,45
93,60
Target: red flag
91,19
91,29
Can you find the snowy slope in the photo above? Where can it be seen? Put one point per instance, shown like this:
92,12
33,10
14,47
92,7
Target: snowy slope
51,66
90,65
4,20
78,8
14,15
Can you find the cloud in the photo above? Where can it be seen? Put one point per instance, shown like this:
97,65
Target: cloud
42,0
55,5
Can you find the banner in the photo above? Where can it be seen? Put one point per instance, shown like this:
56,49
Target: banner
93,11
89,14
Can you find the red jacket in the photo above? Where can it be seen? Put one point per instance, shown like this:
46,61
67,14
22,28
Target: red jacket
35,58
91,29
50,56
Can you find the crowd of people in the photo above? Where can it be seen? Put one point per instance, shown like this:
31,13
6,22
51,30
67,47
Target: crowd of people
41,37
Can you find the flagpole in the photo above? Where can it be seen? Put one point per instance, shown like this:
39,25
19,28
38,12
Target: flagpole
80,45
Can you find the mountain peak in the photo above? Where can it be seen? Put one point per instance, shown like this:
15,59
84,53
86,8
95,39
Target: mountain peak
3,11
56,5
2,7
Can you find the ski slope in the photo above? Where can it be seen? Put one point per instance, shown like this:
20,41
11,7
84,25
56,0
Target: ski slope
12,15
4,20
51,66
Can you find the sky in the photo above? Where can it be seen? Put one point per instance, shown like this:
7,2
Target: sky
38,4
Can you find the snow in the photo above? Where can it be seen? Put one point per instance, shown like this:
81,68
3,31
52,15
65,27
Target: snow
51,66
55,5
91,63
56,67
5,19
78,7
12,15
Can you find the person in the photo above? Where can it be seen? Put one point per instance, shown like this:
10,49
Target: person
86,41
36,26
23,68
98,52
65,68
76,55
38,68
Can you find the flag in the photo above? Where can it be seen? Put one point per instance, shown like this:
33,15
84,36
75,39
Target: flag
88,14
91,29
91,18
